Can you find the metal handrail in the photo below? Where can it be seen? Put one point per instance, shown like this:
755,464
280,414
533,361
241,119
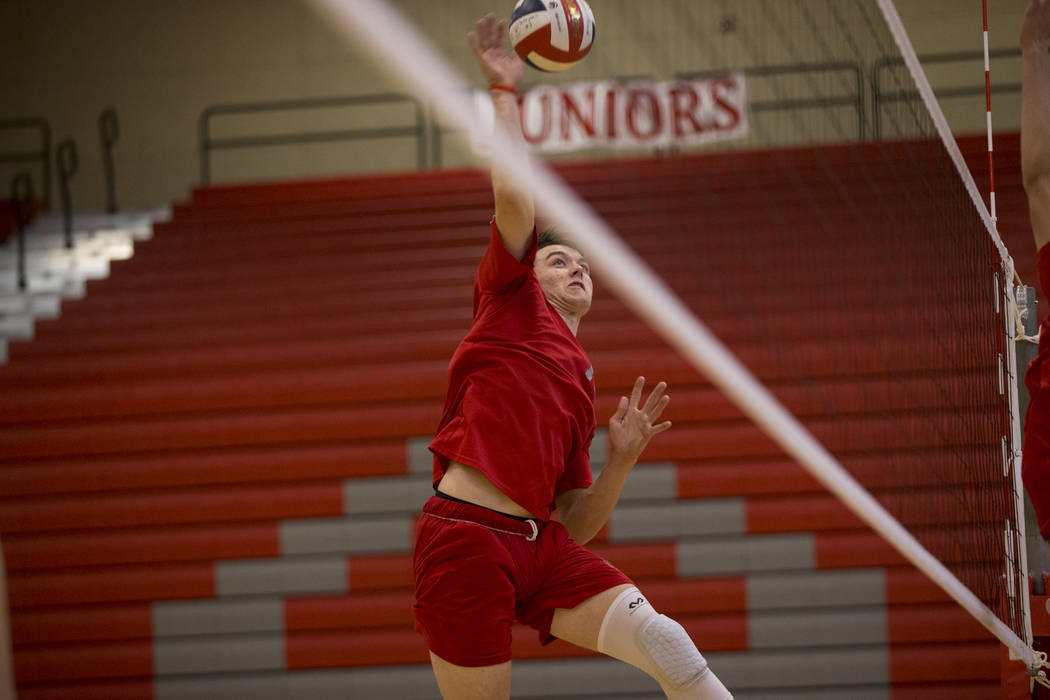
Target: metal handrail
68,163
42,155
109,132
208,144
855,100
22,200
879,98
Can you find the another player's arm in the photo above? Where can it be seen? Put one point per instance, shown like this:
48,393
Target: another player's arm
583,512
1035,116
515,213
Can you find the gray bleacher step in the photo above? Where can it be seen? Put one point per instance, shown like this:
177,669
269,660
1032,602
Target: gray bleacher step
349,536
857,673
54,272
809,590
284,576
394,494
774,598
406,494
36,283
43,249
242,645
131,222
315,556
881,692
218,655
16,326
3,352
400,682
217,616
36,305
89,256
745,554
852,692
719,523
97,239
808,629
676,519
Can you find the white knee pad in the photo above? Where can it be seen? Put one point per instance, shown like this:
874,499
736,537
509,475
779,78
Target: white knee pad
633,632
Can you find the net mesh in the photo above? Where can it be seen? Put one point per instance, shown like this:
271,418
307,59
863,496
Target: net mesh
834,248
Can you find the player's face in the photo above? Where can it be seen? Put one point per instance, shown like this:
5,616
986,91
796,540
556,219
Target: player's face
565,278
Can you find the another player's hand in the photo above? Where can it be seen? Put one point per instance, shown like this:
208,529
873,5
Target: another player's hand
1035,29
634,423
499,66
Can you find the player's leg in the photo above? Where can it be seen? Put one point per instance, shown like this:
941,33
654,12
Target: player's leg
621,623
471,682
464,602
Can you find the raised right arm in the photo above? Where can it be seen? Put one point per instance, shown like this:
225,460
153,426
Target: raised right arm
1035,116
515,213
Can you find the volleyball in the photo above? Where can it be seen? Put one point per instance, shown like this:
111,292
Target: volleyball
552,35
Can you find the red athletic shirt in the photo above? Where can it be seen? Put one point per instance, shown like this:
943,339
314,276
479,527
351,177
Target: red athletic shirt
1036,460
520,403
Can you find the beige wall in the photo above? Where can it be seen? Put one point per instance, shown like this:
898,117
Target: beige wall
161,62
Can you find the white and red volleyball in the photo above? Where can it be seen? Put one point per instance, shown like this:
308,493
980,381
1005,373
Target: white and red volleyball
552,35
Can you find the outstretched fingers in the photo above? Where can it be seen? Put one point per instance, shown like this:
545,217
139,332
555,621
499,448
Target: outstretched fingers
636,392
479,38
660,427
489,34
634,422
653,407
657,401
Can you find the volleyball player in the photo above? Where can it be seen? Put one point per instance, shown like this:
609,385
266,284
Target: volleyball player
512,448
1035,166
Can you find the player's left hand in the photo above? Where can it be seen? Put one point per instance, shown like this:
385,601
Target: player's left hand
634,423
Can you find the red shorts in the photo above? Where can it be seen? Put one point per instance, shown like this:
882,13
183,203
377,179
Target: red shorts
478,570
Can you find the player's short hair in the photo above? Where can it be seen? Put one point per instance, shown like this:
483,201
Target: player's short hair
551,236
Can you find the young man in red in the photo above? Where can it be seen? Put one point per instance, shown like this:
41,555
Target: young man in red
1035,166
512,447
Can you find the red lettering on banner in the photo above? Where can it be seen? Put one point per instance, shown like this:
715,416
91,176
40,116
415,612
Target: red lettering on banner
656,122
688,111
586,115
571,112
545,121
721,101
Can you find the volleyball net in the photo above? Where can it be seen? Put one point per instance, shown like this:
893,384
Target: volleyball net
851,264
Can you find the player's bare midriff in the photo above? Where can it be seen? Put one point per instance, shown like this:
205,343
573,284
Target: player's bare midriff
469,484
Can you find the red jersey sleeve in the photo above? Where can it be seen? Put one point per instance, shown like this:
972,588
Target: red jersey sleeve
577,474
499,271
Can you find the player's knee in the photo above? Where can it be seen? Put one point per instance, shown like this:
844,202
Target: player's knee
633,632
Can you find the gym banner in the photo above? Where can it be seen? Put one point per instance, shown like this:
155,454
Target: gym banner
634,115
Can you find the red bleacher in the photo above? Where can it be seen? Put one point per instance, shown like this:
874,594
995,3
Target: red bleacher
274,343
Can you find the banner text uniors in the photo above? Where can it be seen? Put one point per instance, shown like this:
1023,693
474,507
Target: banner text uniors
634,115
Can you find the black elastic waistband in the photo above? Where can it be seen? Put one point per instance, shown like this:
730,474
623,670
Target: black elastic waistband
442,494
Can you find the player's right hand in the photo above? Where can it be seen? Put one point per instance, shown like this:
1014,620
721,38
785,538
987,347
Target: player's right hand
500,67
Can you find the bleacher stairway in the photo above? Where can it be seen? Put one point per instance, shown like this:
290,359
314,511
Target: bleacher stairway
210,466
56,269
